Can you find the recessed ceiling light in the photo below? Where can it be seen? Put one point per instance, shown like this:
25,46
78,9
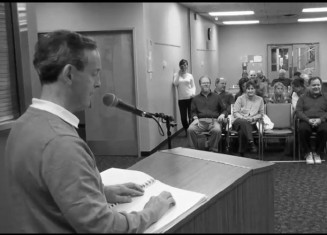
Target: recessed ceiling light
231,13
216,18
312,19
318,9
242,22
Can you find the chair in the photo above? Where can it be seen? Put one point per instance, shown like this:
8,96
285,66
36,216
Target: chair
281,115
233,134
313,136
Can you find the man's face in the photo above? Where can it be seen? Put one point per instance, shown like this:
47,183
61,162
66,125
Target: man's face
84,82
259,74
315,86
282,75
205,85
221,86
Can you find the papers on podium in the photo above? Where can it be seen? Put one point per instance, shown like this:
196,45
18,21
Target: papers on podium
185,200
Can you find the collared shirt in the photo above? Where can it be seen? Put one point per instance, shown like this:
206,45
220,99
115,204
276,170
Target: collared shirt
55,109
227,99
210,106
309,106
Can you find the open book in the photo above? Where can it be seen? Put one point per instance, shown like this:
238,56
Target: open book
185,200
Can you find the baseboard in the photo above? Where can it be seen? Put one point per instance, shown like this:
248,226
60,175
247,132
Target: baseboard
148,153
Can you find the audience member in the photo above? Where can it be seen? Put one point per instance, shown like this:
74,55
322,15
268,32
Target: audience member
226,97
281,78
248,109
298,90
262,77
208,111
184,82
311,109
306,79
261,86
52,176
278,96
245,74
296,75
241,84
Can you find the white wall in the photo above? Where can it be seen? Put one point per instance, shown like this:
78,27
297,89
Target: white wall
238,41
166,25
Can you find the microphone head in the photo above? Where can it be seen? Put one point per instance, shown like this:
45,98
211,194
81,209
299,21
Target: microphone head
110,100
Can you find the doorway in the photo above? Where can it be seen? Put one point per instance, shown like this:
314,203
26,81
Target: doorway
292,58
111,131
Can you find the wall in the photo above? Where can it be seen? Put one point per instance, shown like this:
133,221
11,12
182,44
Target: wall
167,26
238,41
205,52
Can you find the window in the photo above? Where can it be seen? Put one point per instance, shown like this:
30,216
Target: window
9,100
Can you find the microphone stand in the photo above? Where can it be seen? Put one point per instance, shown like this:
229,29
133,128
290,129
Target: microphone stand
169,123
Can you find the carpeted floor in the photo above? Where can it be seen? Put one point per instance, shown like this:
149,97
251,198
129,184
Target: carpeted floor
300,189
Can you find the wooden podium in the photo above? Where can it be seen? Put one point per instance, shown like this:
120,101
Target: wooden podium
240,190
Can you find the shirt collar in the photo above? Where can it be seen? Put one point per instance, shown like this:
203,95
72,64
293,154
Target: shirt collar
55,109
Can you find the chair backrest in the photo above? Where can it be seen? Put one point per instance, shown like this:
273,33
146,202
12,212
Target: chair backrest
280,114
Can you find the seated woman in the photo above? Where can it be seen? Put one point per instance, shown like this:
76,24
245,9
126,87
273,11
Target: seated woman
279,94
248,109
241,84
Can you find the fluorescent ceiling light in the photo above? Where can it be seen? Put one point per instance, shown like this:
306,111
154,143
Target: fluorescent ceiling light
318,9
231,13
242,22
312,19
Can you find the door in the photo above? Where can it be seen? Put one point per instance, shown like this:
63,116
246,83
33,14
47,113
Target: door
306,56
111,131
279,57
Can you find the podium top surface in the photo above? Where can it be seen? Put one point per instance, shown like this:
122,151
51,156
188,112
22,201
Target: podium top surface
200,171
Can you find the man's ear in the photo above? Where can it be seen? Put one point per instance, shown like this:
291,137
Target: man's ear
67,73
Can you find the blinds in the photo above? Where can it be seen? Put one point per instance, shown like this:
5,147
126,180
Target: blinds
9,108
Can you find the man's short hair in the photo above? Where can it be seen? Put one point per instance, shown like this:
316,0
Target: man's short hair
183,61
314,78
218,80
55,50
282,71
205,76
298,82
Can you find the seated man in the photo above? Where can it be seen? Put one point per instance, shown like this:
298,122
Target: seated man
226,97
311,109
286,81
208,111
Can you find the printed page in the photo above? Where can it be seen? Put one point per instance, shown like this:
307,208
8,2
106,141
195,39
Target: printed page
185,199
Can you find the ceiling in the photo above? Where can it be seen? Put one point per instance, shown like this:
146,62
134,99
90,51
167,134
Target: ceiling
265,12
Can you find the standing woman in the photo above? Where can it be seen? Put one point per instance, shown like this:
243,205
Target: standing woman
184,82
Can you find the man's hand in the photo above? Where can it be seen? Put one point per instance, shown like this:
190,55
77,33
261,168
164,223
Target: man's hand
314,122
221,118
122,193
160,204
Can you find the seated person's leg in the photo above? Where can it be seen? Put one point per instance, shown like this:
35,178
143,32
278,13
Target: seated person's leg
215,131
244,129
193,131
321,139
305,131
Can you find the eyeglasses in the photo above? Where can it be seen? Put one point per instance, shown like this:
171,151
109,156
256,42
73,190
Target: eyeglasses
205,83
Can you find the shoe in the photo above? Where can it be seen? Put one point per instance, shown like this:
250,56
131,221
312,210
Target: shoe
253,148
309,158
316,158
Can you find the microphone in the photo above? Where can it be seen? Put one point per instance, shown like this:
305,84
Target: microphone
112,101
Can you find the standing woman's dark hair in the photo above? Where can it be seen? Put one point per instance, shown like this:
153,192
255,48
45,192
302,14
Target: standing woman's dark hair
184,82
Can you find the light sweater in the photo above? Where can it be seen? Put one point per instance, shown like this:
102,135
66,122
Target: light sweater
244,107
185,85
53,183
